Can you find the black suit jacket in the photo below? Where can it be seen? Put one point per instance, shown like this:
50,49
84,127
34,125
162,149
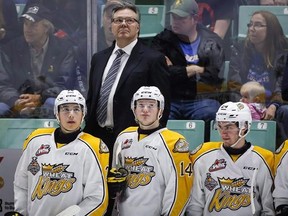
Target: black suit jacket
145,67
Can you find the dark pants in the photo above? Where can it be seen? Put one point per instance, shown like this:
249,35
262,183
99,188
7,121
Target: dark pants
198,109
108,136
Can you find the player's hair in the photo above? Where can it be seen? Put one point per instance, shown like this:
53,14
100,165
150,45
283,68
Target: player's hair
127,5
49,25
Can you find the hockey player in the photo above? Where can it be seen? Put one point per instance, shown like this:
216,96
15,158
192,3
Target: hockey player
159,170
232,177
280,192
64,169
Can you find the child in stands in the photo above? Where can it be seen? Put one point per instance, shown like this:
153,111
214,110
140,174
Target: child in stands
253,94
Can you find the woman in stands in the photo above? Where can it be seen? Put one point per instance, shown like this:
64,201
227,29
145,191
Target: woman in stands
262,57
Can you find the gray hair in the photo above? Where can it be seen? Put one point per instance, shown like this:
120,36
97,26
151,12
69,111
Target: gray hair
49,25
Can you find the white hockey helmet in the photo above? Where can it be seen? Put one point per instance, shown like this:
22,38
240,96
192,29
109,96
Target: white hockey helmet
148,92
235,112
70,96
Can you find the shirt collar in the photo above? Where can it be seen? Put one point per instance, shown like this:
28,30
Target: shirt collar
127,49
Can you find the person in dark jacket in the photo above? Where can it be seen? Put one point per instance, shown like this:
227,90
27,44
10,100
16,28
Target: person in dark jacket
194,55
35,68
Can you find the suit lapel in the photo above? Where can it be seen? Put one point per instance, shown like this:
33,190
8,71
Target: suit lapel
133,61
98,71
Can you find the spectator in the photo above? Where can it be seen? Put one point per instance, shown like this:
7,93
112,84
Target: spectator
280,192
9,26
239,3
34,68
194,55
253,94
216,15
106,36
72,29
63,168
157,156
261,57
232,177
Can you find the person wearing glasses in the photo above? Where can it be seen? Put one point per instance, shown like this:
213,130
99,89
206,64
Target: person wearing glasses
159,177
232,177
63,170
35,67
262,57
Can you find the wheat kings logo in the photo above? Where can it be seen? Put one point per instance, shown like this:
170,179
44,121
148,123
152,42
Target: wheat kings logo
232,194
141,174
55,179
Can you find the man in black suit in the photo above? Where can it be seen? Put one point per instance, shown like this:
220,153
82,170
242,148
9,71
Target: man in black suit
140,66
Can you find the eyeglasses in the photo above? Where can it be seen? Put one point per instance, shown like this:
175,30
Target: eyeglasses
128,20
256,25
149,106
67,110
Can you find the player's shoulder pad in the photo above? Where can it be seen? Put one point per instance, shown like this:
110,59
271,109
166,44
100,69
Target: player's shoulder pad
203,149
280,153
283,148
171,135
96,143
265,153
129,129
267,156
36,133
175,141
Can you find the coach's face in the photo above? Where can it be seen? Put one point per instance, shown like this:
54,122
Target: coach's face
125,26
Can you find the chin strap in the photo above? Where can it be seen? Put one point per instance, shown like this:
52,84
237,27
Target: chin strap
240,137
